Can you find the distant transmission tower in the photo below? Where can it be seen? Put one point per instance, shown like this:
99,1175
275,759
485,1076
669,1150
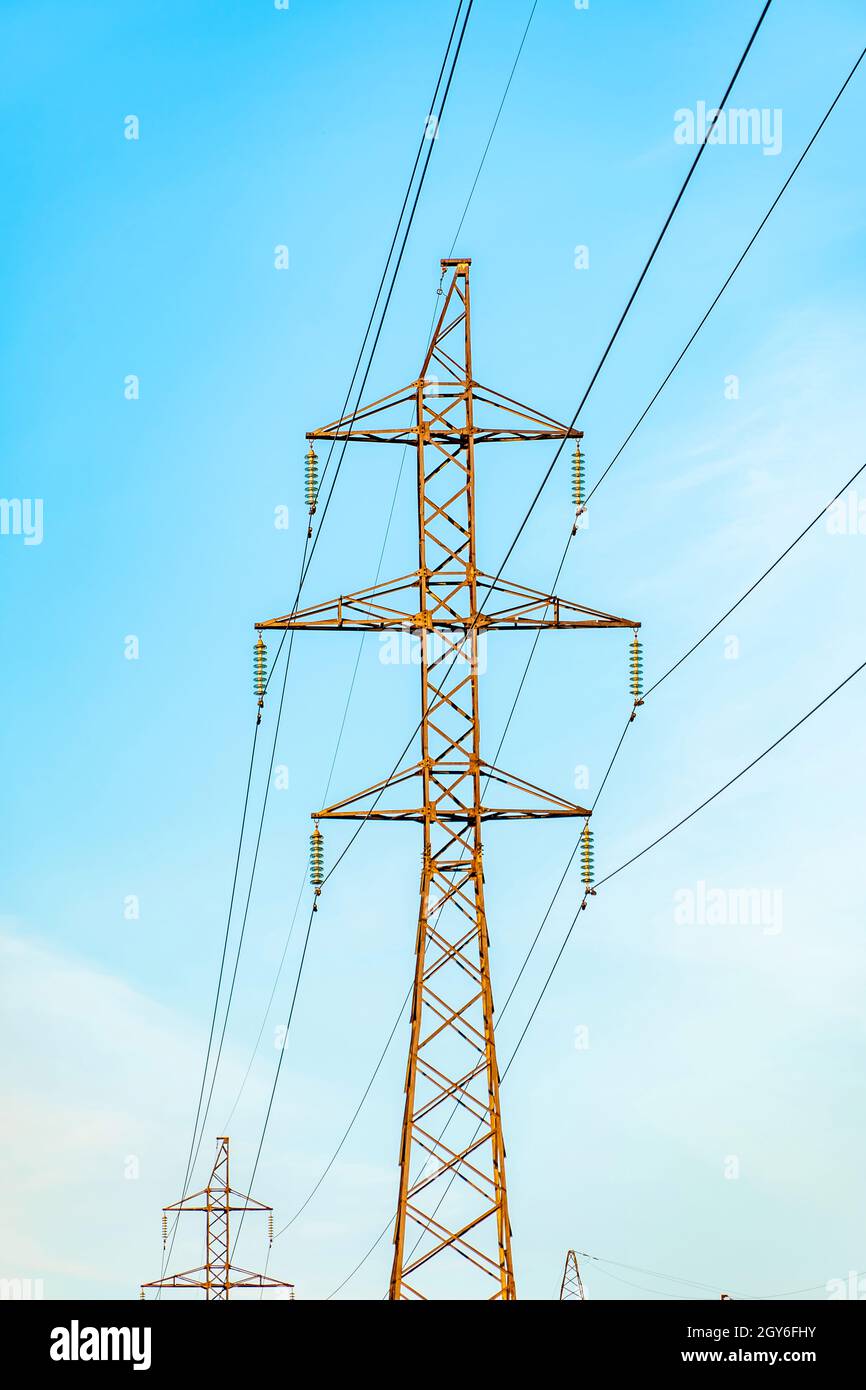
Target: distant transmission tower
572,1284
452,1238
218,1277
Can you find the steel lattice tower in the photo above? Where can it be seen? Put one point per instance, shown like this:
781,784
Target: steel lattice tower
572,1284
452,1192
218,1276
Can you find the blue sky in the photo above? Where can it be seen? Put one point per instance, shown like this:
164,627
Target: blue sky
155,257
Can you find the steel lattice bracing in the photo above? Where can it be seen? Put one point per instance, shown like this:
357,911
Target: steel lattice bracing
452,1235
572,1284
218,1276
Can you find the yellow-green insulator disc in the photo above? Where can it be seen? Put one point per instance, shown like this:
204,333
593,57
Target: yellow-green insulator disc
260,667
587,855
578,478
635,668
311,478
317,858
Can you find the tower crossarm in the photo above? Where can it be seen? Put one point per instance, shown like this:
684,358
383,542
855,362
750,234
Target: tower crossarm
376,609
195,1204
451,801
499,418
200,1279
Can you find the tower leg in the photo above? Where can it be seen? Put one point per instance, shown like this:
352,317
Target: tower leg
452,1195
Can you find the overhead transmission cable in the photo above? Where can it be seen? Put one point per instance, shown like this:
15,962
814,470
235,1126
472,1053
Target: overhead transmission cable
390,517
775,744
594,377
387,301
638,422
630,435
201,1120
430,142
645,412
358,657
305,558
635,290
583,400
693,648
588,390
699,1284
677,826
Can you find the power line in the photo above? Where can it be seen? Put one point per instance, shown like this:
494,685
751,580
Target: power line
611,344
254,865
195,1145
305,560
361,643
604,781
630,435
693,648
311,1194
634,293
653,1273
438,118
189,1161
618,748
337,747
659,838
656,1293
424,139
696,1283
592,381
770,567
623,866
430,142
752,587
618,326
493,128
281,1056
736,267
645,412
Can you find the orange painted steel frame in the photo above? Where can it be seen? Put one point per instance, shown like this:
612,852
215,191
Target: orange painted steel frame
218,1276
452,1196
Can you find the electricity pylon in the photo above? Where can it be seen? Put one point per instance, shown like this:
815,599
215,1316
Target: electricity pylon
218,1276
572,1284
446,1229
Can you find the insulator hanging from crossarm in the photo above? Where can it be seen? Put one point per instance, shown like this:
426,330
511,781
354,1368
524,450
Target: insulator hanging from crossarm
270,1228
317,858
164,1228
578,479
587,865
311,479
260,674
635,673
635,668
260,667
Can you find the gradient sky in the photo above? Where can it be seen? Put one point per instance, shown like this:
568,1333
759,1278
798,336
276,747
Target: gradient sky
156,257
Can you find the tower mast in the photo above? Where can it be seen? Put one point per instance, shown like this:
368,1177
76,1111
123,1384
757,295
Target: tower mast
452,1233
218,1276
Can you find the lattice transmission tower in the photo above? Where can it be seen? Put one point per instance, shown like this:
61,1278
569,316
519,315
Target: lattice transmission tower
572,1284
452,1235
218,1277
